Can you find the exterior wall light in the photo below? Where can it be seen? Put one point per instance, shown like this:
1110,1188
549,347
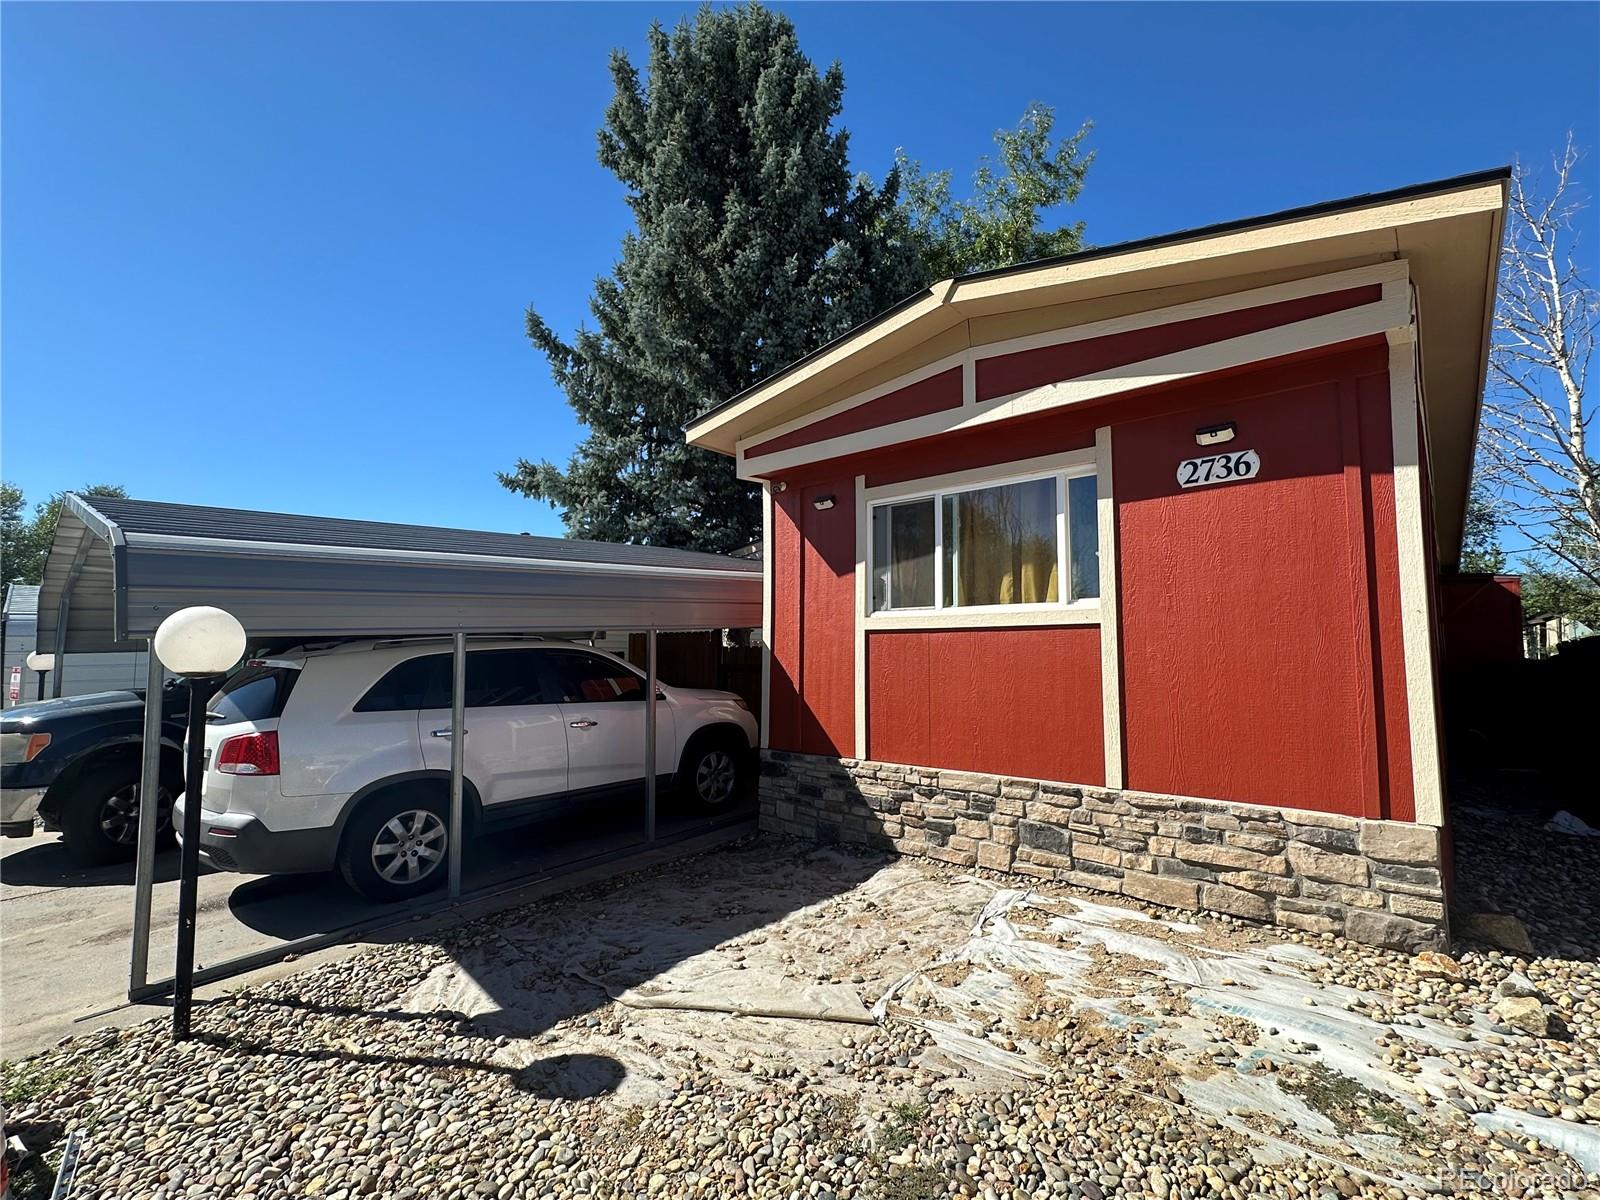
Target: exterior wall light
1215,435
822,503
200,644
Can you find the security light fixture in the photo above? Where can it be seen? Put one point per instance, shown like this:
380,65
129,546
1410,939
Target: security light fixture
823,503
201,644
1215,435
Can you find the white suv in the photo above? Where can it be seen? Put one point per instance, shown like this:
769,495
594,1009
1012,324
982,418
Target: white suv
340,757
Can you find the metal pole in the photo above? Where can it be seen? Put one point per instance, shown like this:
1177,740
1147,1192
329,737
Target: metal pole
650,735
458,754
200,689
63,611
144,870
39,695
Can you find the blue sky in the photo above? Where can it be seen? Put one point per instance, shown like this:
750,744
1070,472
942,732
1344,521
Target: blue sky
277,256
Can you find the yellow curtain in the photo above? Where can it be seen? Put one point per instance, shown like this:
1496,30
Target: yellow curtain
1005,542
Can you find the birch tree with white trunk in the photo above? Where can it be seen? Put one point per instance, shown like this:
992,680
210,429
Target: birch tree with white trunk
1538,420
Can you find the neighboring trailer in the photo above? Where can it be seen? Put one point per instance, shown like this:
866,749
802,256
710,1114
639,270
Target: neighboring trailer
1120,568
85,673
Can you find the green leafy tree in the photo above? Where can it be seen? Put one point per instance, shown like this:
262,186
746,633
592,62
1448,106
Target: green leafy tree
1480,540
13,530
753,245
1557,593
1003,222
27,542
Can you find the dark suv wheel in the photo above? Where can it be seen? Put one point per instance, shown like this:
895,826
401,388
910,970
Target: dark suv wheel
714,770
396,846
100,817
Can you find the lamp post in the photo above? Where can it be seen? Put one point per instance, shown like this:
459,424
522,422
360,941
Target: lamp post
41,663
200,644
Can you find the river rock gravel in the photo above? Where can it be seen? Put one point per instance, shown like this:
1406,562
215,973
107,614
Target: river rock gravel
352,1080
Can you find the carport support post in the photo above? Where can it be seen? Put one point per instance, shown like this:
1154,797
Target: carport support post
458,753
650,735
144,870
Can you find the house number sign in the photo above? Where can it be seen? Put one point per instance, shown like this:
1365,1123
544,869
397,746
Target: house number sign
1219,468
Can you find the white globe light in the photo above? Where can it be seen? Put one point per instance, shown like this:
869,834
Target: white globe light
40,661
199,641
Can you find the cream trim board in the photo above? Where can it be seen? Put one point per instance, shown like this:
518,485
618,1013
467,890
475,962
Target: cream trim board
1282,340
938,296
1110,621
1280,236
1016,616
1390,274
862,599
1377,317
1073,462
1414,563
1436,206
766,614
961,358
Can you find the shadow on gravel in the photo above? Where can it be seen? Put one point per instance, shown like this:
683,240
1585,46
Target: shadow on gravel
559,1077
555,962
533,969
50,866
1506,861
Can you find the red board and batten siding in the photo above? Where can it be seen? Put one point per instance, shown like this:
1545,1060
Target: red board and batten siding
1021,702
1260,620
812,680
1261,648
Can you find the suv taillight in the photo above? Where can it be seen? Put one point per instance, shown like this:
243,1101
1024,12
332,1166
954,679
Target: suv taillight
249,754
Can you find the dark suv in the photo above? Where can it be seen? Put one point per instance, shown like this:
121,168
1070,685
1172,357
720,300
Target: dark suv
74,764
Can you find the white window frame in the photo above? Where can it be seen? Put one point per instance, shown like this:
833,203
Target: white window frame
1060,468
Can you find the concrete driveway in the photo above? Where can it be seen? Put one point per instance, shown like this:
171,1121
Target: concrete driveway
65,931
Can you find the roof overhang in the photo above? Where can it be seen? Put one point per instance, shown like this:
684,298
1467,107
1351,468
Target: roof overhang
1448,232
113,582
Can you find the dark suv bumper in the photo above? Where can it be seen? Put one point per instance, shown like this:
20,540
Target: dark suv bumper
234,842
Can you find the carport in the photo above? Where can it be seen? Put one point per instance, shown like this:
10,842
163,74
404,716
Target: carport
118,567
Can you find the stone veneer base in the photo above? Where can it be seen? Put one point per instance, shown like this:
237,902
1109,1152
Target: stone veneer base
1377,882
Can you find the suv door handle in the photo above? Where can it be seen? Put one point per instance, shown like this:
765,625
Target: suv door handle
583,724
444,733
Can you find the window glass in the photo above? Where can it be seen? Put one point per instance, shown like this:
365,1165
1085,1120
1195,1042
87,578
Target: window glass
902,555
590,679
502,678
416,683
1000,545
253,694
495,679
1083,535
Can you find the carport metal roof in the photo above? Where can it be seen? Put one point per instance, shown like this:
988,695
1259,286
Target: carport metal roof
117,567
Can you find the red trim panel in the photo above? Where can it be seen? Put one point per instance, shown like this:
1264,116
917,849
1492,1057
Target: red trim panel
938,393
1022,702
1007,374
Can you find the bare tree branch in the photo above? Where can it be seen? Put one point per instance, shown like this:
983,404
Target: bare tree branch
1535,446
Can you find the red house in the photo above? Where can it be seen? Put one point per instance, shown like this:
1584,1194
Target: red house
1119,568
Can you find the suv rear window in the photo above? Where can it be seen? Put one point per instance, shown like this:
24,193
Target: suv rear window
416,683
253,694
